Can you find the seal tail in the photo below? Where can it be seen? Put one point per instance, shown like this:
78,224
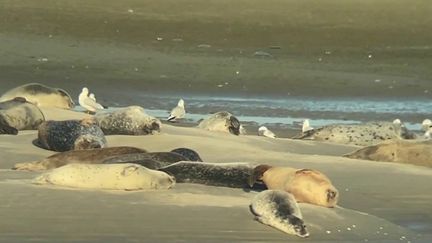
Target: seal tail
30,166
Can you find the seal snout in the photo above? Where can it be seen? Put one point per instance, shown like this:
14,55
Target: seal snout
331,195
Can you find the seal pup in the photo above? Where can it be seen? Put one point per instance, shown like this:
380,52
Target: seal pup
84,156
177,112
279,210
20,114
67,135
190,154
221,121
308,186
107,177
88,103
358,134
264,131
41,95
239,175
131,120
414,152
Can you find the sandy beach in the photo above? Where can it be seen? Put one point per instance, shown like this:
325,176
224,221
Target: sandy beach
380,202
133,50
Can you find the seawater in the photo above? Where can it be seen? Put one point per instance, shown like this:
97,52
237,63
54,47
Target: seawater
291,111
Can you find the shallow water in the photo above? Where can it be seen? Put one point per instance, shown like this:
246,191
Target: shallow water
291,111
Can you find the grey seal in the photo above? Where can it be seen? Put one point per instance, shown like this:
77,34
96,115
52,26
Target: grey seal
358,134
85,156
240,175
279,210
41,95
131,120
70,135
20,115
221,121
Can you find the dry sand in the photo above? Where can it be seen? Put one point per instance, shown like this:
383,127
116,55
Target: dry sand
381,202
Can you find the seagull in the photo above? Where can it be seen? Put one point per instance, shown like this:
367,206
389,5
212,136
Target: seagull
306,127
426,124
263,131
177,112
92,96
88,103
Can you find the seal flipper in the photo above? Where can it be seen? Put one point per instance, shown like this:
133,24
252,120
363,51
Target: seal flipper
6,129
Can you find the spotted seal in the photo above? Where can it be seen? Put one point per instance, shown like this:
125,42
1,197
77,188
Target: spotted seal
222,121
240,175
70,135
41,95
279,210
20,115
131,120
358,134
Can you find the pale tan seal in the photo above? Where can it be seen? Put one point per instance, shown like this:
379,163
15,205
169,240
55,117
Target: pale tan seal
41,95
402,151
107,176
130,120
279,209
308,186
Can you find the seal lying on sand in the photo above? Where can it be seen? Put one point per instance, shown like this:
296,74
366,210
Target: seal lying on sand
20,114
222,121
85,156
410,152
359,134
131,120
110,155
192,155
309,186
70,135
215,174
154,160
279,209
41,95
109,177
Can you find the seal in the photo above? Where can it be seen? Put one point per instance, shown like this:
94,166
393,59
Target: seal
41,95
358,134
416,152
308,186
108,177
131,120
70,135
190,154
221,121
156,160
20,114
279,210
85,156
239,175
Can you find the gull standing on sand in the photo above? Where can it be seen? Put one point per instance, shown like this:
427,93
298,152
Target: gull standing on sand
177,112
88,103
264,131
427,127
306,126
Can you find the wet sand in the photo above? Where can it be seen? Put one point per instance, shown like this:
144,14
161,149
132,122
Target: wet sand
340,48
